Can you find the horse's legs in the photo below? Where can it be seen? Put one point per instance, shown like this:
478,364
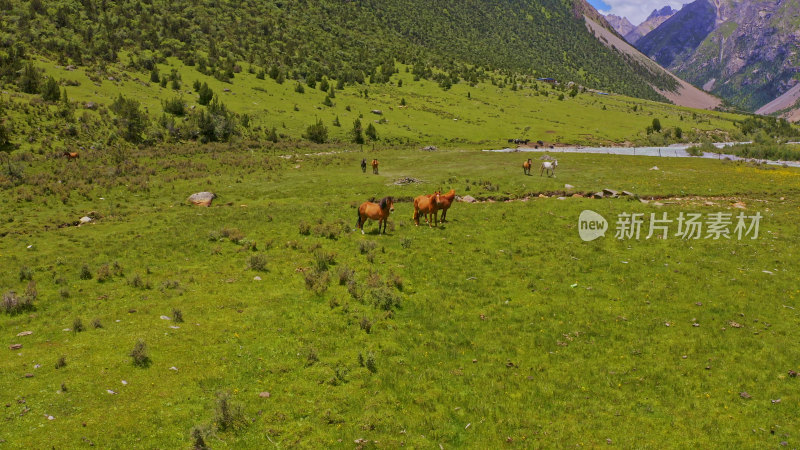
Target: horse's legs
541,171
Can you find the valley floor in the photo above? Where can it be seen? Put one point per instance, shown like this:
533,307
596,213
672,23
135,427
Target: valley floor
499,327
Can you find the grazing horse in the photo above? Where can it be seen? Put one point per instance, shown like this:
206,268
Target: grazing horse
364,165
71,155
526,167
427,205
374,166
445,200
550,167
375,211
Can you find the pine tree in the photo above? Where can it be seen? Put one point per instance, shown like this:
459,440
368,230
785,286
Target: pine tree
206,94
371,132
356,134
50,90
656,125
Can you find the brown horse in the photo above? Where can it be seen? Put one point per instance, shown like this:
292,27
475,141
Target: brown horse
375,166
71,155
375,211
427,205
445,200
526,167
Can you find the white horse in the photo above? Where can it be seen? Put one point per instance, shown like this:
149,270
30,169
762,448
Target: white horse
550,167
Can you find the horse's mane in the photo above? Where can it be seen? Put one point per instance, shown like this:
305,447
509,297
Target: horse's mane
450,195
384,201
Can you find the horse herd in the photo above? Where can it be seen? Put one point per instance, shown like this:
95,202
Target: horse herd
374,166
547,166
427,205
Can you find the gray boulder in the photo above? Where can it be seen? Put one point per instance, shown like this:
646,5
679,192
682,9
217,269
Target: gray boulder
202,198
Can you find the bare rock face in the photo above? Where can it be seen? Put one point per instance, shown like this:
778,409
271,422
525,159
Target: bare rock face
656,18
202,198
621,24
743,51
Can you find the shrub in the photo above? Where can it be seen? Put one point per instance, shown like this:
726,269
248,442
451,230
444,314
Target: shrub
317,280
365,325
25,273
323,259
77,325
229,415
352,288
311,358
62,361
86,274
12,304
345,275
370,363
405,242
199,434
96,323
232,234
177,315
103,273
317,132
304,228
384,299
174,106
366,246
138,283
132,121
396,281
257,262
30,292
139,354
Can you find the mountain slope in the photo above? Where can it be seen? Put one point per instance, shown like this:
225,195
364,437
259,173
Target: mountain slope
743,51
656,18
309,39
621,24
680,34
684,95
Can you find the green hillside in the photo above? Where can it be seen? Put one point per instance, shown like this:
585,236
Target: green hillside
347,41
480,115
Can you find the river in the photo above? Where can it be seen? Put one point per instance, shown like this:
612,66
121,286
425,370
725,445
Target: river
671,151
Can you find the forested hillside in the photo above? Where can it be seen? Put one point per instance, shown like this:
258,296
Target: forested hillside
146,71
301,39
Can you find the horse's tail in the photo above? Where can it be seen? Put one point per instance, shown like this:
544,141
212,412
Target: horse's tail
358,217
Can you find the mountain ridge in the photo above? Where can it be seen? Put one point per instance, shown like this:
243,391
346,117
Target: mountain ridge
743,51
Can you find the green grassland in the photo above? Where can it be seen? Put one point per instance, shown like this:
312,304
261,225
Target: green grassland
500,327
478,115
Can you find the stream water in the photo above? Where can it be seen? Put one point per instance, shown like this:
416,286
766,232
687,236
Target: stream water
672,151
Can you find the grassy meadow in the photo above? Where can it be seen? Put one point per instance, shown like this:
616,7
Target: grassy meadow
500,327
481,115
